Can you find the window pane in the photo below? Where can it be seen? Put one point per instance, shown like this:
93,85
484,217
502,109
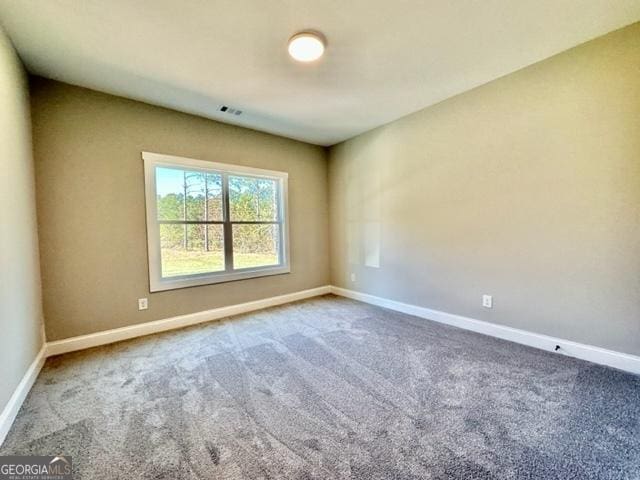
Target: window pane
256,245
213,186
191,249
253,199
181,195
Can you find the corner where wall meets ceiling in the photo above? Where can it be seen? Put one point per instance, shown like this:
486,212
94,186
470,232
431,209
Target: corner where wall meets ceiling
383,60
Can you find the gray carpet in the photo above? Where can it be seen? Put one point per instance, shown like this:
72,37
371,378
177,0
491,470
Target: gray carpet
331,388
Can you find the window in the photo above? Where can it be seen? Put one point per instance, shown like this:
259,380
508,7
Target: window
212,222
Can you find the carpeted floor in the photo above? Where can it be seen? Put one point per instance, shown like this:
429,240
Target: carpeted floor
331,388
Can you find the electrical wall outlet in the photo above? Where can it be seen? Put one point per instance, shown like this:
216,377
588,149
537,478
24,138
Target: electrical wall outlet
143,304
353,277
487,301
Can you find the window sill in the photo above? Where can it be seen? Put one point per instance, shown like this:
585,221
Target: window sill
175,283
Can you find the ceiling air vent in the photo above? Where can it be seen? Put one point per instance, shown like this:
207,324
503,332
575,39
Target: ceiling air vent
230,111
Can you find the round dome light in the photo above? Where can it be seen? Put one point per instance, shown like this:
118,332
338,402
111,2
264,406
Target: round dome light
306,46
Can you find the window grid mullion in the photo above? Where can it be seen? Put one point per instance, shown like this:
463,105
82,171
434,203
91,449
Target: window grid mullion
190,222
219,222
249,222
228,232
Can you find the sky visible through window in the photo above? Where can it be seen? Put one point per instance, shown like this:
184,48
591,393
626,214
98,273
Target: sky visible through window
169,180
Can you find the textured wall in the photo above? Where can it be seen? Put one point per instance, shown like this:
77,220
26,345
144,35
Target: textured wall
91,208
20,304
527,188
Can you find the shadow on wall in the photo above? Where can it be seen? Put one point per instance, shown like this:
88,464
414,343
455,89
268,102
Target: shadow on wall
364,220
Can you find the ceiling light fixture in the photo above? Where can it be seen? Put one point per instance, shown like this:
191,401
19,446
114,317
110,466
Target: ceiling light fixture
306,46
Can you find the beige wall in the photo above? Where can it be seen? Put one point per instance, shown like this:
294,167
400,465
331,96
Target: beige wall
527,188
91,208
20,304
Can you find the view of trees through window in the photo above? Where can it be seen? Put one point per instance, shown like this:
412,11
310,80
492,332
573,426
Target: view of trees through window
191,214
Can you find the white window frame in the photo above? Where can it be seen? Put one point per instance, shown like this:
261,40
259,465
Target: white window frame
156,282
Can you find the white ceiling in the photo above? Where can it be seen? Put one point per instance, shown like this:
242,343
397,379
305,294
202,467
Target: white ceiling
385,58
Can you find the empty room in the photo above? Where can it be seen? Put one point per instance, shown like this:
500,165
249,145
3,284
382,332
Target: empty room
306,239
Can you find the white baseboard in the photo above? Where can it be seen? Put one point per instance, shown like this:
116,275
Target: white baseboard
12,408
602,356
125,333
622,361
139,330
